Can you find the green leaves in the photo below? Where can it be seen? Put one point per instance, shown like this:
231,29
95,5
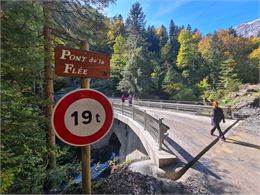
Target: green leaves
23,146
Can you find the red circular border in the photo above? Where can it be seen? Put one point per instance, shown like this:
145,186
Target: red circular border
62,105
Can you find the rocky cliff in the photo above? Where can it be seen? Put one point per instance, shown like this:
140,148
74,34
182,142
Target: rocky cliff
249,29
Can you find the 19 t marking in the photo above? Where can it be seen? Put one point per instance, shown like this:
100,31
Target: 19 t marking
87,115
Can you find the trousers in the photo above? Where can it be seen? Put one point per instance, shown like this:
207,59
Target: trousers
216,126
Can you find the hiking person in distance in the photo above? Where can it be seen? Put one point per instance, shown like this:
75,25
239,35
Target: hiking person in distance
130,99
123,99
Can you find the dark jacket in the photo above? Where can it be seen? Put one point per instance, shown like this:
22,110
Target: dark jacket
218,115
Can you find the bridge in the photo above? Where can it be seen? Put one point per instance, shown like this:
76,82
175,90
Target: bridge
176,134
158,129
190,152
151,131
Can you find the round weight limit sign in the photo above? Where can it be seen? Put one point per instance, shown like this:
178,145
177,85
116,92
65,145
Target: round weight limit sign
82,117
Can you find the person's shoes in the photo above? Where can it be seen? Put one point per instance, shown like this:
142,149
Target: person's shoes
211,133
223,139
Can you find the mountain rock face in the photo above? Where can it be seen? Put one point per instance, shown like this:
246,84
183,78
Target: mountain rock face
249,29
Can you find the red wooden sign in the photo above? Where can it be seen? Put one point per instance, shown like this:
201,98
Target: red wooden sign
71,62
82,117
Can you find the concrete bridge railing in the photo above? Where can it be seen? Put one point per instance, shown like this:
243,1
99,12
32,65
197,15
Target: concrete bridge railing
154,126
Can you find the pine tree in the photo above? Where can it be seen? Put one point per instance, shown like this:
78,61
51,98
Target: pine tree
188,27
152,39
136,76
23,158
23,143
229,80
162,35
174,32
135,22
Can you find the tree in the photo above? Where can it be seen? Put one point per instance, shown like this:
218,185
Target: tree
185,56
118,61
188,27
173,36
166,53
238,49
173,31
23,143
23,156
136,76
210,49
152,39
135,22
162,35
252,69
229,80
48,80
56,24
116,28
188,59
172,82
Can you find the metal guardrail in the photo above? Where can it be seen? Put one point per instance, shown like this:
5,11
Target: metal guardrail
197,109
172,101
194,108
154,126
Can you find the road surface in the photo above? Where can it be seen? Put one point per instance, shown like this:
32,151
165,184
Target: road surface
232,166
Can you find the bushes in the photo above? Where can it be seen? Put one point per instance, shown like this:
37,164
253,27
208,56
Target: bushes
186,94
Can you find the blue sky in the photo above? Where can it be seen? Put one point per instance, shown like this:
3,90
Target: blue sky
206,15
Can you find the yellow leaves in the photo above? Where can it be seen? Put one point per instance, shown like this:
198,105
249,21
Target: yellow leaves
204,83
115,29
196,36
159,31
185,35
204,45
254,40
118,23
7,178
255,54
153,75
119,46
58,41
173,87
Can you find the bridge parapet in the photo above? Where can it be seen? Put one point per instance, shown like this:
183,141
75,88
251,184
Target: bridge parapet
149,129
154,126
180,106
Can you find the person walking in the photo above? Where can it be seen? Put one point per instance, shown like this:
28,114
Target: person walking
130,100
217,116
123,99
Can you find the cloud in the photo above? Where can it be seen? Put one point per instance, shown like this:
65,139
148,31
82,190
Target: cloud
169,6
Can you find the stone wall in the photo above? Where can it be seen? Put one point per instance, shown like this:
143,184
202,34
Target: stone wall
131,146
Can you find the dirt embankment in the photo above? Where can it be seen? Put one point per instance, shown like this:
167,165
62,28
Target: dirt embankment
248,96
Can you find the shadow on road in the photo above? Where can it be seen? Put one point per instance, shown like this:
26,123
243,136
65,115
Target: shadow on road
184,157
183,154
233,141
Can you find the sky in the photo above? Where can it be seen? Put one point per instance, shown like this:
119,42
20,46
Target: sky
205,15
